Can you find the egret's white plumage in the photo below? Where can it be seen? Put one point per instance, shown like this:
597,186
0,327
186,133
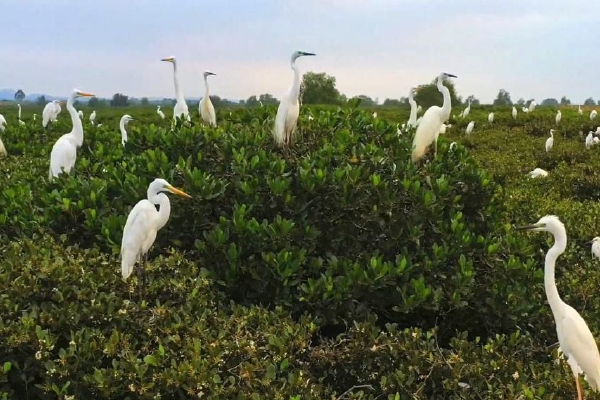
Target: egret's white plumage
80,114
160,113
122,125
144,222
3,152
491,117
525,109
207,110
48,115
2,123
375,114
593,114
289,107
93,117
467,110
470,127
18,105
532,105
575,338
596,247
538,172
432,121
589,140
64,151
22,123
558,117
412,119
550,141
514,113
579,110
181,109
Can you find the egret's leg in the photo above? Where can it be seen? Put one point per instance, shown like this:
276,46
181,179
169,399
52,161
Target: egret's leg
579,391
140,273
144,275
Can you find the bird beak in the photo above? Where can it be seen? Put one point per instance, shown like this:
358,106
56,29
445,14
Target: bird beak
178,192
451,76
530,227
308,54
212,73
166,59
83,94
590,242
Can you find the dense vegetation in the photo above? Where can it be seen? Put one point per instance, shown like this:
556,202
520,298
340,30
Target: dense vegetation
336,270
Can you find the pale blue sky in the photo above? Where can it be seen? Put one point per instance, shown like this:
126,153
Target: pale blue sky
532,48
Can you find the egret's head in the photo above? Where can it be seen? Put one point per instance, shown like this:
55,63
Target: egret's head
594,240
549,223
126,118
552,132
161,185
298,54
445,75
79,93
208,73
170,59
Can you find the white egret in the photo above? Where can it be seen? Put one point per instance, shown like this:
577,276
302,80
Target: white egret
48,113
597,131
550,141
589,140
575,338
538,172
160,113
2,123
181,109
3,152
579,110
444,127
532,105
514,113
595,140
64,151
412,119
206,108
80,114
419,109
558,117
595,246
467,110
18,105
93,117
525,109
122,124
593,114
289,107
431,122
22,123
491,117
35,117
470,127
57,109
375,114
143,223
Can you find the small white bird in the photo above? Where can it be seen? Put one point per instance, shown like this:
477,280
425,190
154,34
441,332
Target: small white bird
444,127
93,117
375,114
80,113
532,105
589,140
491,117
514,113
35,117
558,117
593,114
143,223
597,133
595,140
525,109
467,110
595,246
538,172
414,109
160,113
122,124
574,337
18,105
206,108
550,141
3,152
470,127
22,123
579,110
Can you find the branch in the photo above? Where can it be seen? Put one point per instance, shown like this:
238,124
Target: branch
353,388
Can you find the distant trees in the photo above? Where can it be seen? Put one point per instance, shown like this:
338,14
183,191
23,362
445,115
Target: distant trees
393,103
19,95
144,101
265,98
119,100
474,101
428,94
589,102
503,99
41,101
365,101
549,103
319,88
521,102
564,101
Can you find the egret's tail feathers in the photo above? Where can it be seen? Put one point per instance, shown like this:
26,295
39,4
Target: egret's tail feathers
3,152
126,268
279,135
418,153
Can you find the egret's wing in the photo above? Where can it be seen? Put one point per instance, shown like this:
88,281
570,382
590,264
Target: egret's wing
211,113
427,130
63,156
579,345
279,128
139,225
47,114
293,111
3,152
2,120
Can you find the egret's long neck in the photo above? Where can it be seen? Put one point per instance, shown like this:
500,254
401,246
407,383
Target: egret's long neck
295,92
206,86
447,106
178,93
77,131
412,119
556,304
165,208
123,132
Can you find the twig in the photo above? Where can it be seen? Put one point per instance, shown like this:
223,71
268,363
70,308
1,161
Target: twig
353,388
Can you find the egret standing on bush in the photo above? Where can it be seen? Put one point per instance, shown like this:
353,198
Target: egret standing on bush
595,246
206,108
593,115
432,121
122,125
143,223
514,113
289,108
491,117
160,113
575,338
412,119
181,109
550,141
64,151
93,117
467,110
558,117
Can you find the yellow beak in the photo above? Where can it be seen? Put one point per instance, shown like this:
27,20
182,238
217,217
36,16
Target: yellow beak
82,94
166,59
179,192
